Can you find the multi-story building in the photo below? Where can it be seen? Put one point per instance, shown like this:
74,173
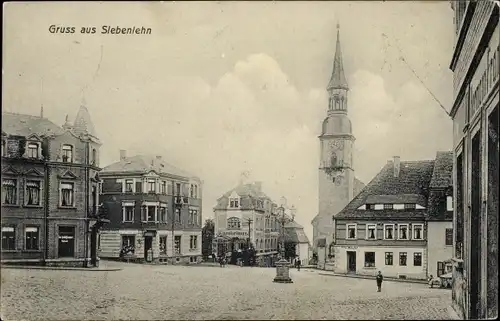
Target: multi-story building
475,65
400,223
154,210
49,189
246,216
337,182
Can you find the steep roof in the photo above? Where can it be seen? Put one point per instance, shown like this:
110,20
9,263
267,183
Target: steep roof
144,164
338,79
249,194
443,169
27,125
414,178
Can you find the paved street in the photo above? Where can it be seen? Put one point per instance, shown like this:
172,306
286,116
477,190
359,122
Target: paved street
173,292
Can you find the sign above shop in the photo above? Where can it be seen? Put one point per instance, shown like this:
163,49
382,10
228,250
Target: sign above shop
235,234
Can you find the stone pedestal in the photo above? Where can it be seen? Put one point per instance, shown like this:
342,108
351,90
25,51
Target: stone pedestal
282,272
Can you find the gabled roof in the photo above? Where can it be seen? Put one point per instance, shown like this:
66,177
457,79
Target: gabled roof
248,193
143,164
443,169
414,178
26,125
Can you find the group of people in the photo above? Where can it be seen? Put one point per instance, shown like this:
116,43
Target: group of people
222,261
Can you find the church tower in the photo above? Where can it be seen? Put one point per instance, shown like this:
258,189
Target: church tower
336,171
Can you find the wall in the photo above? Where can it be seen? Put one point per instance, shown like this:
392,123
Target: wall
302,250
411,271
437,249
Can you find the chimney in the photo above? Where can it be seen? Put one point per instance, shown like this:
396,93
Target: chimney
396,166
258,186
123,154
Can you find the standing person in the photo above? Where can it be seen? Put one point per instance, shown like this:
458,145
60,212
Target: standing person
299,262
380,278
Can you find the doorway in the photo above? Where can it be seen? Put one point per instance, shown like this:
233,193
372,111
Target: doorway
148,245
351,262
66,241
476,224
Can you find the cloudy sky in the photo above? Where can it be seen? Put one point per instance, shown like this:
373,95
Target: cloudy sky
219,88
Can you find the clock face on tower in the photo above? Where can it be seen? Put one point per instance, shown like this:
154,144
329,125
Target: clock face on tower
337,144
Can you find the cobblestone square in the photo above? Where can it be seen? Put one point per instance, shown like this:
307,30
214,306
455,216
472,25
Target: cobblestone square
149,292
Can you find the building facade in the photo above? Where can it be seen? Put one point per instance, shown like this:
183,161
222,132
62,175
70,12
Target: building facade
154,209
245,216
475,65
397,224
49,189
294,233
337,182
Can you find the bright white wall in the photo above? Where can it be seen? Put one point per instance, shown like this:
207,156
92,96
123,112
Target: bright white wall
436,244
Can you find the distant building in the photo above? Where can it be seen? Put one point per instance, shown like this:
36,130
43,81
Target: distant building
155,211
337,182
475,65
49,189
400,223
246,216
294,233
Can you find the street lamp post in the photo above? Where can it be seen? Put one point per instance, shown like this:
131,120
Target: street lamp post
282,266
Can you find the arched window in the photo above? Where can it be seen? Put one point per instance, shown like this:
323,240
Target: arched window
336,102
342,106
330,104
333,160
233,223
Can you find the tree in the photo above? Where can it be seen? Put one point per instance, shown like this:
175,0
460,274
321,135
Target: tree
290,250
207,236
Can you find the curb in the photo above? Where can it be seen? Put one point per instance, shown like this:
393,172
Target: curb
371,278
59,268
453,314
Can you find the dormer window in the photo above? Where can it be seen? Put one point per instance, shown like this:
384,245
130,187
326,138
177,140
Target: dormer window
67,153
234,203
388,206
410,206
379,207
33,150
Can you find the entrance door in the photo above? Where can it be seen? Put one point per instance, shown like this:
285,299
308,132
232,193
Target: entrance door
66,243
148,244
351,261
440,269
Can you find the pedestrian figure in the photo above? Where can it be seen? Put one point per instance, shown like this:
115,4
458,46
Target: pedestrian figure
298,264
380,278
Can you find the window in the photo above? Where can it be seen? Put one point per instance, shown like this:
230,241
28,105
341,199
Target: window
9,187
178,214
402,258
67,153
369,259
128,213
351,231
449,236
129,186
409,206
94,156
370,206
191,191
150,214
196,191
417,259
371,231
418,231
32,150
379,207
398,206
193,216
193,242
151,185
177,188
163,245
163,214
389,258
128,241
177,245
3,148
67,194
449,203
164,187
32,237
388,206
403,232
8,238
389,232
233,223
234,203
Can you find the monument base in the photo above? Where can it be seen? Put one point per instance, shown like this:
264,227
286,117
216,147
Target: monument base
282,272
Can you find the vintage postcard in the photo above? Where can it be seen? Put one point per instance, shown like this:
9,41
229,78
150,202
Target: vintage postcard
267,160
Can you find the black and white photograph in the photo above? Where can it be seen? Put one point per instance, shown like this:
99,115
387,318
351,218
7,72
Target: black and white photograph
250,160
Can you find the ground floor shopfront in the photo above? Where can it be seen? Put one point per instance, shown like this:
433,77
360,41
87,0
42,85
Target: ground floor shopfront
151,245
50,242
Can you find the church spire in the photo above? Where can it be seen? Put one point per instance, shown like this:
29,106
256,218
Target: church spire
338,80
